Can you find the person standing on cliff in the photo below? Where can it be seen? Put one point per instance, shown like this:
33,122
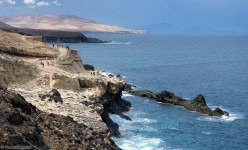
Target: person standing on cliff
94,73
91,74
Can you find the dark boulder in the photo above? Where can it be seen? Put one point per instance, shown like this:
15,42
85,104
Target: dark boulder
144,93
17,101
53,95
15,118
128,87
89,67
111,76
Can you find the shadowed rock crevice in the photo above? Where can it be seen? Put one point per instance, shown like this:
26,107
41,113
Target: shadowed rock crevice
114,104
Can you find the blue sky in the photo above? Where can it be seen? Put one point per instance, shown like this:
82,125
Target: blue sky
219,14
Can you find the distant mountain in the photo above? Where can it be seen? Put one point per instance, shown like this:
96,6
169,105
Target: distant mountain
64,23
2,24
159,28
165,28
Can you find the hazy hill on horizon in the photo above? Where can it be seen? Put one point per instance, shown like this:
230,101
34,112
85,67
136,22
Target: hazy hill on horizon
63,23
166,28
4,25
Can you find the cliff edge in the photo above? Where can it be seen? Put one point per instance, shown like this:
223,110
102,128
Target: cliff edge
47,95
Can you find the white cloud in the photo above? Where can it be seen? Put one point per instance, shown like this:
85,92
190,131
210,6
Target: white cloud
29,2
56,3
43,3
12,2
1,2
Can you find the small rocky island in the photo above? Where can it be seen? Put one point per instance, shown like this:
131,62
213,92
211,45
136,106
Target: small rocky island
198,104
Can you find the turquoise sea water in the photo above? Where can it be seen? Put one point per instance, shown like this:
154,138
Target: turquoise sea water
215,66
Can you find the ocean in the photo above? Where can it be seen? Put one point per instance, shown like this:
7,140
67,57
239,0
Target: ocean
214,66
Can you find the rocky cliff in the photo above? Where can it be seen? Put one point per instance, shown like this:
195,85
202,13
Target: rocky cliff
54,36
22,125
58,105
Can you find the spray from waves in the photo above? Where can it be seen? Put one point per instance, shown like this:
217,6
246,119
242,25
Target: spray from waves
107,74
138,142
126,94
144,120
223,118
117,43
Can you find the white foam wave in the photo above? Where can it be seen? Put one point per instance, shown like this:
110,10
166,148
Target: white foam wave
139,142
118,43
223,118
207,133
125,94
106,74
145,120
171,128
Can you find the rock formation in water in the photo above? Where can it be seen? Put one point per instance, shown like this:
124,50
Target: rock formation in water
198,104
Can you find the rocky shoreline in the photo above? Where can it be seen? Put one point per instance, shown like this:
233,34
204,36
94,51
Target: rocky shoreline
56,106
62,105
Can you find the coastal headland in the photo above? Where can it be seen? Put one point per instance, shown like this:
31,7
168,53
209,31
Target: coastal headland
49,101
53,36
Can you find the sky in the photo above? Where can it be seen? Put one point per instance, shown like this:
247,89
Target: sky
218,14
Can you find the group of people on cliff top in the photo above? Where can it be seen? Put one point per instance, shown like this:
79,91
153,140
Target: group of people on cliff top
93,73
58,45
43,64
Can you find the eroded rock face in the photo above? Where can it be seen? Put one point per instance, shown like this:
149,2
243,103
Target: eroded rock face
113,103
64,82
3,83
15,70
23,124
